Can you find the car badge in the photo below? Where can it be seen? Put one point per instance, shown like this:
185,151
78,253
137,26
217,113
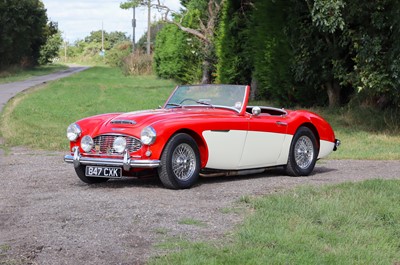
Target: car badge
109,150
97,148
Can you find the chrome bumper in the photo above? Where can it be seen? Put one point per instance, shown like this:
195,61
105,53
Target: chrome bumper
126,163
337,144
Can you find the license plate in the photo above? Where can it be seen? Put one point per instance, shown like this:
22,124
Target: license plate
104,172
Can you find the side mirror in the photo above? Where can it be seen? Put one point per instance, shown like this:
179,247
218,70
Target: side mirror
256,111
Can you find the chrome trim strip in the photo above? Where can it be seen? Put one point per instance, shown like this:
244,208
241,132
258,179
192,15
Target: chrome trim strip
126,162
131,122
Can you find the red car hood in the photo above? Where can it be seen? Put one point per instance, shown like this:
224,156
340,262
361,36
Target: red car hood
134,122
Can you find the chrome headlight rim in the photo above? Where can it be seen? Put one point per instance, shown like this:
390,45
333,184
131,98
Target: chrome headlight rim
119,144
73,132
148,135
87,143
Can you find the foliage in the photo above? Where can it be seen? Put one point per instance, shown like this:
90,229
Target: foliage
350,223
271,54
110,38
154,29
178,54
116,46
50,49
21,32
234,61
313,52
138,63
116,55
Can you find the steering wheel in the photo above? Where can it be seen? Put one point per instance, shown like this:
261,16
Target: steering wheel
186,99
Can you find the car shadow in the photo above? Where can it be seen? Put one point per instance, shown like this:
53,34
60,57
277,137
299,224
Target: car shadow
152,182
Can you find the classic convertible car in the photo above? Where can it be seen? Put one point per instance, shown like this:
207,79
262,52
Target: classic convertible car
200,130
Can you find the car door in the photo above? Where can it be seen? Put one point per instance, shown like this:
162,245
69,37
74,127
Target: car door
265,138
225,140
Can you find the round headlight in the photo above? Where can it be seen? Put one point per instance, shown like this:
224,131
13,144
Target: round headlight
119,144
87,143
73,131
148,135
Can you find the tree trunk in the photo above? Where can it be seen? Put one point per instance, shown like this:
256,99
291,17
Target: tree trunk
253,88
206,79
333,90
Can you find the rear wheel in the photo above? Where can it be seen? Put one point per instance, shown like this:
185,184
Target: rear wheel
180,162
303,153
80,171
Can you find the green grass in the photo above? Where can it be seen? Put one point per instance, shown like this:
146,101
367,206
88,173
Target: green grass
41,116
18,74
351,223
365,133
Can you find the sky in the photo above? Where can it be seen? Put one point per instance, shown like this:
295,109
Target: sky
77,18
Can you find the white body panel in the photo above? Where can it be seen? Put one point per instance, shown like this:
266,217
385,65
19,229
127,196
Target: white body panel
262,149
235,149
325,148
224,148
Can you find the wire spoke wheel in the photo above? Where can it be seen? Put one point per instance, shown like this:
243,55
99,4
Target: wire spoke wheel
304,152
180,162
183,161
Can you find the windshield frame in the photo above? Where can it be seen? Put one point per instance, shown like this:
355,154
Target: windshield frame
204,104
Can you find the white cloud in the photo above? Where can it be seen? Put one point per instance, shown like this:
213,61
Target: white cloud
77,18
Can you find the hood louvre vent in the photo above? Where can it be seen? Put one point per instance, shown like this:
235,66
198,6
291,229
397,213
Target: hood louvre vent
123,122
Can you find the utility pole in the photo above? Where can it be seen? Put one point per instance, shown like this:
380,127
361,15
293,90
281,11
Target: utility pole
148,26
133,34
65,47
102,36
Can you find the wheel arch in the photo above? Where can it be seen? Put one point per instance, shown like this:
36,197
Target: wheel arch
313,129
201,144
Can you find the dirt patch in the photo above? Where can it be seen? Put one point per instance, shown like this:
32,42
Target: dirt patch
48,216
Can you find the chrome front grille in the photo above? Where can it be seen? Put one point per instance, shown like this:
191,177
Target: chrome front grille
103,144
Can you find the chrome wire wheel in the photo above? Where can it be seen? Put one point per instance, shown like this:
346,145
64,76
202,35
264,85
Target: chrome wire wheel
183,161
304,152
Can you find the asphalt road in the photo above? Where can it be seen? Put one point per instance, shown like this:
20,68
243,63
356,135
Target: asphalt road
9,90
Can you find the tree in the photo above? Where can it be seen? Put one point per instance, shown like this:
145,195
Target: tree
232,43
22,32
176,53
53,43
205,32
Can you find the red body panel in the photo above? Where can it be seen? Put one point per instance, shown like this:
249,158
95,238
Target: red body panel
195,121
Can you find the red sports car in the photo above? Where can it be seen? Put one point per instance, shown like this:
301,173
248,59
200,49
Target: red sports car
201,129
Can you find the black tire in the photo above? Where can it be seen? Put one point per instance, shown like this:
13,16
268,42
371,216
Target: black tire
303,153
80,171
180,162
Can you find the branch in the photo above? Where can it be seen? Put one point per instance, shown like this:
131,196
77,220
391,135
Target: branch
194,32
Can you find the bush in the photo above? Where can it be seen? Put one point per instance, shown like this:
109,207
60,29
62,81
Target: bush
116,55
138,64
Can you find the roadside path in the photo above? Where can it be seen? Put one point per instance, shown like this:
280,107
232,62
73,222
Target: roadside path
9,90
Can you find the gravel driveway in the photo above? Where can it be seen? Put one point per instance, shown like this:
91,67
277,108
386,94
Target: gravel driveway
48,216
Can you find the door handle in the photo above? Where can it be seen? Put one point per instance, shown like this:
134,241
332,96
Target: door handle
281,123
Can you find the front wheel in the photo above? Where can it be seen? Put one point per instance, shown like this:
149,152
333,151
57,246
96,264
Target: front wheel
180,162
80,171
303,153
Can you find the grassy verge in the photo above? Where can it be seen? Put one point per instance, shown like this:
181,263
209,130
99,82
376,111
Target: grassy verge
41,117
365,133
352,223
18,74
